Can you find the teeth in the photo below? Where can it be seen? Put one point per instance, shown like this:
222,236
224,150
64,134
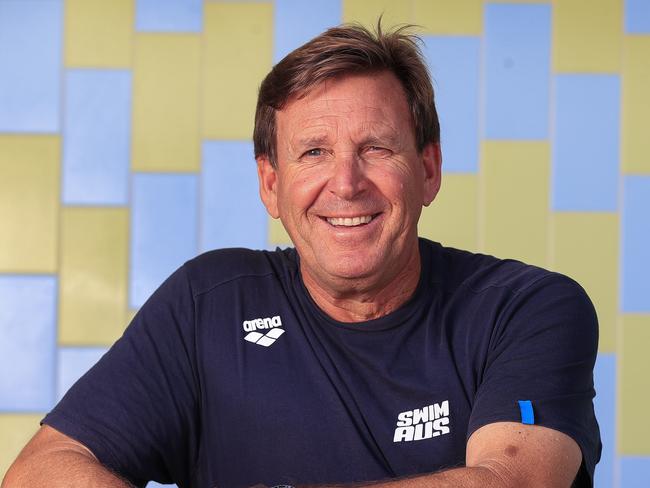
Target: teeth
349,222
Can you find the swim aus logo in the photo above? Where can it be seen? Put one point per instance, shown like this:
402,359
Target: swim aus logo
273,323
423,423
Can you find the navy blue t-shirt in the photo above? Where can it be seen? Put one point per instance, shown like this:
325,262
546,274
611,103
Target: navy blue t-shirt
230,375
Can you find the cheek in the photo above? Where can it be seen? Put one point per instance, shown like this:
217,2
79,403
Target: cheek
299,192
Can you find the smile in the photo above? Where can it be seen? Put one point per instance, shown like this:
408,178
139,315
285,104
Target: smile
350,221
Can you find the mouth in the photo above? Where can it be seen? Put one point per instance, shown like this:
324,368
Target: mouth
350,221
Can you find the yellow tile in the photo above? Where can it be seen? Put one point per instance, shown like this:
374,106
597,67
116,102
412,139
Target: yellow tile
277,234
586,37
513,200
635,115
634,384
585,247
231,77
29,203
15,431
166,94
461,17
98,33
93,278
452,217
367,12
130,315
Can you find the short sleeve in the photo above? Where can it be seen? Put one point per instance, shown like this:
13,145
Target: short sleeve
543,350
136,409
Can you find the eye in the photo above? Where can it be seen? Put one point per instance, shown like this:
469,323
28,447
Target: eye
378,151
314,153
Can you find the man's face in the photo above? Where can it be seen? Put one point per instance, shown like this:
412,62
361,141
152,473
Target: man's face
350,184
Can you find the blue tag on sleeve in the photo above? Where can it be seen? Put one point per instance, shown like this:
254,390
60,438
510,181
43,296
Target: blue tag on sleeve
526,409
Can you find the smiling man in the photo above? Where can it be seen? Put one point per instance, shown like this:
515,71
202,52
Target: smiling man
363,355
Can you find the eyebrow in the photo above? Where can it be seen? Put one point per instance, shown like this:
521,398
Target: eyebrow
313,141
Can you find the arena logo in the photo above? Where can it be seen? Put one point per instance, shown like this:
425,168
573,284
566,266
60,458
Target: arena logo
423,423
265,323
268,339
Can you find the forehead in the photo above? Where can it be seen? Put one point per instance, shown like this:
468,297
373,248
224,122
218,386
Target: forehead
376,99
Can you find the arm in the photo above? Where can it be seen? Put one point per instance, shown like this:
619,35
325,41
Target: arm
52,460
507,454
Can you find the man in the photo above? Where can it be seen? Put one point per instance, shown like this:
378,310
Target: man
363,355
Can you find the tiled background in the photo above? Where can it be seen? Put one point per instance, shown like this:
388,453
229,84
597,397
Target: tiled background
125,149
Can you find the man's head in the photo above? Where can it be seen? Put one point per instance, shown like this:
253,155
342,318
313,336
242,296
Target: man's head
348,156
342,51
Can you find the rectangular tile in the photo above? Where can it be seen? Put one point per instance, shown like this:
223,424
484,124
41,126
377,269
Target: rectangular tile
587,39
98,34
513,220
164,209
585,174
31,40
277,234
635,243
585,246
367,12
232,214
635,114
94,267
441,17
605,407
454,65
166,116
517,70
231,78
29,203
73,362
16,430
633,420
452,217
296,22
96,137
28,345
637,17
169,15
634,472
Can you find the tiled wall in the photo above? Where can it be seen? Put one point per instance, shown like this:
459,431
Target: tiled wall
125,149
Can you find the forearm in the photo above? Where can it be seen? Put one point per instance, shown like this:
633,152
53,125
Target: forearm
64,469
478,477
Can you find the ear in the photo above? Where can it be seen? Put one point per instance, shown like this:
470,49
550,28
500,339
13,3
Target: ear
267,177
432,163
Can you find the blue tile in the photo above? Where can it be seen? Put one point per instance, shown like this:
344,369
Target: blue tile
635,245
97,134
637,16
635,472
517,71
73,362
297,21
30,65
169,15
232,214
605,406
586,143
163,229
454,65
28,344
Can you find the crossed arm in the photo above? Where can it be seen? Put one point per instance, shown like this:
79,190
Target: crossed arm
502,454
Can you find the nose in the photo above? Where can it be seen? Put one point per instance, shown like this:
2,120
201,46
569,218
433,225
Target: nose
348,178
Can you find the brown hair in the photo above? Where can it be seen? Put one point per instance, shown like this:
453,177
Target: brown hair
345,50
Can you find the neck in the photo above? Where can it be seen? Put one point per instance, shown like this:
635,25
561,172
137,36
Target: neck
359,300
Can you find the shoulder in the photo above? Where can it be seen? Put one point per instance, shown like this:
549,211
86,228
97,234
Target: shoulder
457,269
218,267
